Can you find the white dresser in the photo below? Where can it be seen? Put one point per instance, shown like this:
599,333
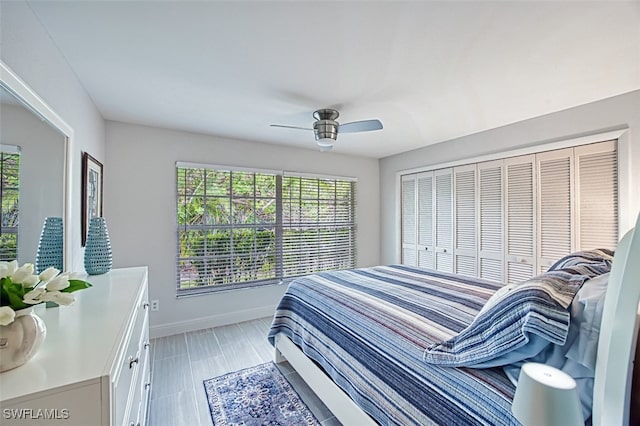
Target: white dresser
93,367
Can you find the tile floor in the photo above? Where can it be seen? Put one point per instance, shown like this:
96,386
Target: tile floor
180,363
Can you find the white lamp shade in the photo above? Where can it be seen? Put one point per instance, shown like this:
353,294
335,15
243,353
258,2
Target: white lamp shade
546,396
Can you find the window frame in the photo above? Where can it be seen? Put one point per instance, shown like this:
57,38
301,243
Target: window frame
279,227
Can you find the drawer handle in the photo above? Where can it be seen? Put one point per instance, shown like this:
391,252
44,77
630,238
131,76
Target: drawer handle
133,361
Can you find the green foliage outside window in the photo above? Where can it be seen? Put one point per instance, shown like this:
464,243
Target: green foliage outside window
9,191
228,221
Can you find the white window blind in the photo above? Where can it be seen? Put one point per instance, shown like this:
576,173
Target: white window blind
318,225
9,192
239,228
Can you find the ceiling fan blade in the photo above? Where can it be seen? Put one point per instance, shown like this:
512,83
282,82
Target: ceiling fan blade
360,126
289,127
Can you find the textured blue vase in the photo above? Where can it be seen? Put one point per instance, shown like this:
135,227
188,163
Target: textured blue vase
97,251
50,245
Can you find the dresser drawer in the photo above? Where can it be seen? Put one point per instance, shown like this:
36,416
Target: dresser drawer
125,393
145,371
138,390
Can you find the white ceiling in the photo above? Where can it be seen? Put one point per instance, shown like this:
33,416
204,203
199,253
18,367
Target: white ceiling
430,71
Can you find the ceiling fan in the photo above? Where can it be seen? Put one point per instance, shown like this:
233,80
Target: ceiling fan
326,128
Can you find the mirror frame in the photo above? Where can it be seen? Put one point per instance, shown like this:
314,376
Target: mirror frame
10,81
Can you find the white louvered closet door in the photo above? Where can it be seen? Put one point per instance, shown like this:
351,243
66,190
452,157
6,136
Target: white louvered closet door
520,217
426,202
596,195
409,234
555,206
490,221
444,219
464,178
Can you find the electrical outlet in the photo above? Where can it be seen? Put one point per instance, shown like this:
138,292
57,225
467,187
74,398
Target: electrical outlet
155,305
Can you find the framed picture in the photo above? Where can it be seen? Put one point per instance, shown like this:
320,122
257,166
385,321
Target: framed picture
91,192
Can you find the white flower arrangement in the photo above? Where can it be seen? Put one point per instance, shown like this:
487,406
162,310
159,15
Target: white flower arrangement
21,289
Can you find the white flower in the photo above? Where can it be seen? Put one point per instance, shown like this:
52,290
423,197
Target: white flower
8,268
58,283
22,273
7,315
48,274
30,281
34,296
59,298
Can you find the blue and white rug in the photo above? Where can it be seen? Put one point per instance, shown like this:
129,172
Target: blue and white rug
256,396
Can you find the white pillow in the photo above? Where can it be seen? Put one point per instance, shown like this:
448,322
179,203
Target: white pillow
586,310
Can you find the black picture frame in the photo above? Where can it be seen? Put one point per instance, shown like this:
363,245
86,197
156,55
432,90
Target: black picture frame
91,192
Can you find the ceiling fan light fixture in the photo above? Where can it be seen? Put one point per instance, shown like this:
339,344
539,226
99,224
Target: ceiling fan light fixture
326,142
326,148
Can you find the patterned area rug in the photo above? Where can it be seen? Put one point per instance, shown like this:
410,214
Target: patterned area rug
256,396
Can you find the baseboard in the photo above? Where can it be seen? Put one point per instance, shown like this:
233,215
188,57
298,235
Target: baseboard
170,329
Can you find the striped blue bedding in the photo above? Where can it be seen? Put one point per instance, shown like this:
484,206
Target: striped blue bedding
368,329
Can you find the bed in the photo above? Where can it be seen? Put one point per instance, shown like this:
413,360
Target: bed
401,345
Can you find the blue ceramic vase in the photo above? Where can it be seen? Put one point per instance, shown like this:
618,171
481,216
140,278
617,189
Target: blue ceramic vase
50,245
97,251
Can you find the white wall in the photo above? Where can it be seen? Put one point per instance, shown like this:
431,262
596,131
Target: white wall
140,209
27,49
597,117
41,173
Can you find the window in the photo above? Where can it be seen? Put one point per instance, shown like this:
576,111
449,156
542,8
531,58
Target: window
9,189
240,228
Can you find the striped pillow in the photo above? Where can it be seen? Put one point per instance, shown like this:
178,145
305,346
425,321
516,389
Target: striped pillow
515,325
598,259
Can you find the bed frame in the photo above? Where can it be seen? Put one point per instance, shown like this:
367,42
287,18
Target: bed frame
614,365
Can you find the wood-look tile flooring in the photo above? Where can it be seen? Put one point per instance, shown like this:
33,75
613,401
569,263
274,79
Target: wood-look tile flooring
180,363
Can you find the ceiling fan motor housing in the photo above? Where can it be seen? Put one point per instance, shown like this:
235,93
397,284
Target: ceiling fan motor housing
326,127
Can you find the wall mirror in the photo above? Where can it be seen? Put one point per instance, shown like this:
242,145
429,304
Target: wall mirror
34,161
